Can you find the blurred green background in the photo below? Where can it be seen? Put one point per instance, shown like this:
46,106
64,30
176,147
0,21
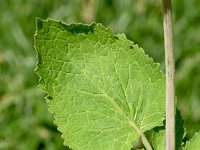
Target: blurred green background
25,122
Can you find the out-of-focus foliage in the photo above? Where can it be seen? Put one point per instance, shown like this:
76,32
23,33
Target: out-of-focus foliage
25,122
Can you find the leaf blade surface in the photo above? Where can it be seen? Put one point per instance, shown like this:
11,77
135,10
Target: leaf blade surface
193,144
105,92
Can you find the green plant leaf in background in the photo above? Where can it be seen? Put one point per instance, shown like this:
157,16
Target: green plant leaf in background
179,129
103,91
193,144
157,138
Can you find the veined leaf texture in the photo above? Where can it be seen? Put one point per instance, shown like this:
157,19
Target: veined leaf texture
103,90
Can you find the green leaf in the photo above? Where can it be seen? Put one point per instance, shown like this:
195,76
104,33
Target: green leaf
180,130
103,91
193,144
157,138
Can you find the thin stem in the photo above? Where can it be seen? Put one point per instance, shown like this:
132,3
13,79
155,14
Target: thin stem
146,142
170,74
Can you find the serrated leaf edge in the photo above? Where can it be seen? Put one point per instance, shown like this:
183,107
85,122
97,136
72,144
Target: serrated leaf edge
132,123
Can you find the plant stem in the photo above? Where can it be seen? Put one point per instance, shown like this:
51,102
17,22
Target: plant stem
170,74
146,142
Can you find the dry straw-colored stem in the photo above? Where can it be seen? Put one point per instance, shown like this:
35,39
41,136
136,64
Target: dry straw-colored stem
170,74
